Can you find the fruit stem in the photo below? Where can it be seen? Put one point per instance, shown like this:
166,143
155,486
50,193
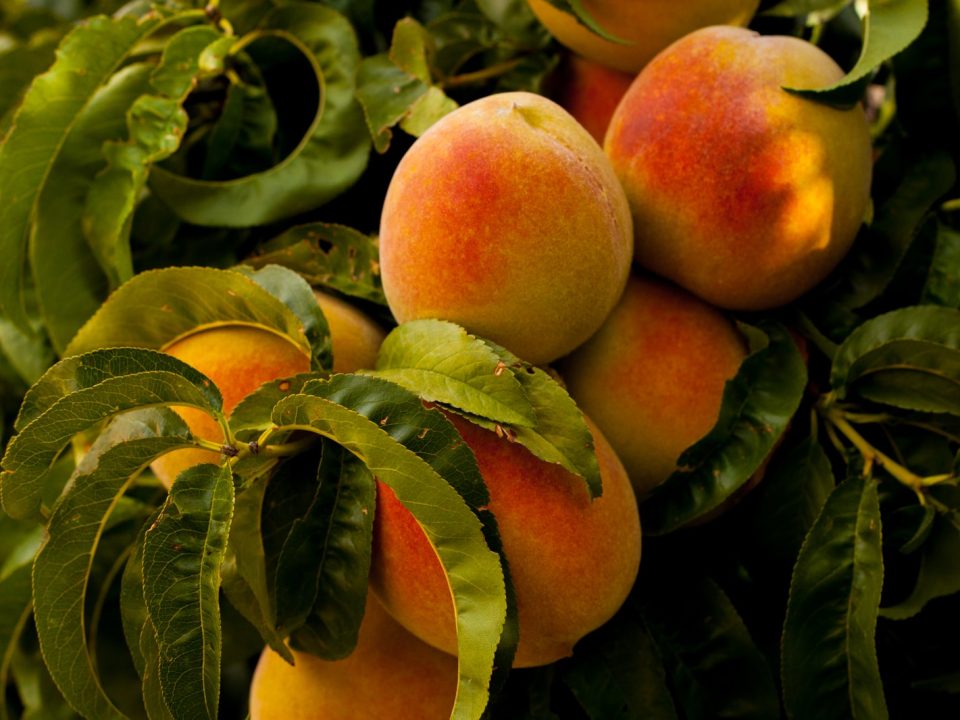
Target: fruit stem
479,76
872,456
288,449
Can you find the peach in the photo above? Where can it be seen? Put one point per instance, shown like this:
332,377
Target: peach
503,217
572,561
648,26
741,192
590,92
652,378
390,674
239,359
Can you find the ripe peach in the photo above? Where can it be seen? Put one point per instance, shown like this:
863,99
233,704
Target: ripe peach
239,359
390,674
572,561
741,192
503,217
591,92
648,25
652,378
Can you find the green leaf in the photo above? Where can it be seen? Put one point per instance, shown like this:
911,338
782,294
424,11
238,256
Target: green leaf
156,124
872,263
28,353
441,362
387,94
804,8
142,636
396,87
252,415
473,570
793,491
294,292
83,372
938,569
323,567
86,59
943,278
429,434
332,153
61,572
909,358
138,378
18,66
616,672
829,658
70,284
133,608
245,573
242,139
182,556
16,602
560,434
160,306
889,26
757,407
332,255
714,666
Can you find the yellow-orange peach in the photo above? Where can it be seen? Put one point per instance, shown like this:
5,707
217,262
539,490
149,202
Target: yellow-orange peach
590,92
503,217
572,561
390,674
239,359
355,337
741,192
652,378
648,26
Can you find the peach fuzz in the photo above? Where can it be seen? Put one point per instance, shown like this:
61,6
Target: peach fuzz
652,378
503,217
390,674
239,359
590,92
572,561
648,26
741,192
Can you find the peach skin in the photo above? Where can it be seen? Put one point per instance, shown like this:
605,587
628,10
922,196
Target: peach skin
741,192
572,561
652,378
503,217
590,92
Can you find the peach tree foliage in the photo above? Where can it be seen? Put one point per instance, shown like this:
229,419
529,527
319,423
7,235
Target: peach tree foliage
260,136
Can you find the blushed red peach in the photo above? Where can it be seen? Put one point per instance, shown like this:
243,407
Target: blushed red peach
652,378
504,217
648,26
572,561
741,192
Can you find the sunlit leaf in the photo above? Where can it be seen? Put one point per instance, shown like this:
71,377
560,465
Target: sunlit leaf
61,572
332,255
473,571
138,378
329,158
182,556
159,306
86,59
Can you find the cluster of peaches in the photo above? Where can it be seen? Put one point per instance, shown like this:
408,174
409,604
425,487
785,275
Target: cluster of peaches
715,190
